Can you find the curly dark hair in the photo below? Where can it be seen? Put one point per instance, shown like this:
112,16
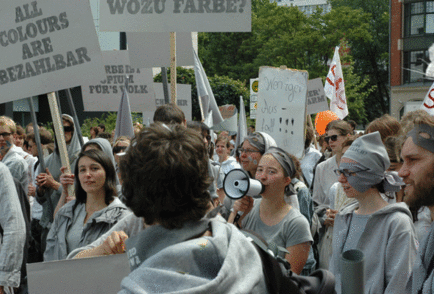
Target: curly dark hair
110,174
165,174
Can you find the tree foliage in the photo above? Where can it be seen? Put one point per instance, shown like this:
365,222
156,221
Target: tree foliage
286,36
225,89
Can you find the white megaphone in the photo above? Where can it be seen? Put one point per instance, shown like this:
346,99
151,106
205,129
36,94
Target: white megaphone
238,184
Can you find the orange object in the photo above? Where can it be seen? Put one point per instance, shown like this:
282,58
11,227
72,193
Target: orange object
322,119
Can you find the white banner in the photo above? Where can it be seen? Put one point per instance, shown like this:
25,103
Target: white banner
153,49
282,107
105,94
175,16
183,100
316,99
46,45
85,276
428,102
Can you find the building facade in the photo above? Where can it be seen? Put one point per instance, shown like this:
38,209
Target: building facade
411,34
306,6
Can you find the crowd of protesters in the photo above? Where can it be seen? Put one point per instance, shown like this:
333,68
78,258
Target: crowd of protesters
163,190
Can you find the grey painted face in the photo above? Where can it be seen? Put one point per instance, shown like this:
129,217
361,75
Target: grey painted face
423,141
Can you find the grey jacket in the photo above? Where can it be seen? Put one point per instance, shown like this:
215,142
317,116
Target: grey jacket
388,243
178,261
14,231
99,223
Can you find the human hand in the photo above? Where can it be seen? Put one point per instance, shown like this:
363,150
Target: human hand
66,179
115,243
31,190
46,180
331,214
244,205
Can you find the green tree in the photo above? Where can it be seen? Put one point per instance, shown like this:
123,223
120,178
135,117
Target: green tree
225,89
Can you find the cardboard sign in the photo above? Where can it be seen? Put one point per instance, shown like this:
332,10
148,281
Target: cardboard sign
105,94
175,16
153,49
316,98
183,101
22,105
46,46
254,87
86,275
281,109
227,111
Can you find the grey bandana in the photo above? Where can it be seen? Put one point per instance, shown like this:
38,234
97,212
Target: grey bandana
420,141
368,158
262,141
287,164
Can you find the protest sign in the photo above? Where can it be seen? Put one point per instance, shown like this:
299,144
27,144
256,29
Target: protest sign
282,107
86,275
316,99
183,100
253,97
228,110
153,49
428,102
175,16
46,46
105,94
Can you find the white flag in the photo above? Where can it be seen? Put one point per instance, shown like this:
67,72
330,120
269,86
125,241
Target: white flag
124,121
242,125
204,92
428,103
334,87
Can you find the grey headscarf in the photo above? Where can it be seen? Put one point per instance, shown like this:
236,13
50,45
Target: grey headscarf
261,140
368,157
287,164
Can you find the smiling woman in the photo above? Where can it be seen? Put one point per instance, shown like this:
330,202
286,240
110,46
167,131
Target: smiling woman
94,211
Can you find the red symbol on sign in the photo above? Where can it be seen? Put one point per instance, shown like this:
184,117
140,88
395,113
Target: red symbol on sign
430,97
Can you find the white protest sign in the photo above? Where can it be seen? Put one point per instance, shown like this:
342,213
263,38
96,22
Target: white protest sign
183,100
175,16
153,49
282,107
105,94
46,46
86,275
316,98
428,102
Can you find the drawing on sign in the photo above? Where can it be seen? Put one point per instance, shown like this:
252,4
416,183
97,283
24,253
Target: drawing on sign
255,86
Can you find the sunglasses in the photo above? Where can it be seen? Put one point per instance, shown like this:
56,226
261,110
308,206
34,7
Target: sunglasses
118,149
68,129
333,138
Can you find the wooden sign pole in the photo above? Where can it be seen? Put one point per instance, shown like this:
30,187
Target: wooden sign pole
173,66
60,135
309,119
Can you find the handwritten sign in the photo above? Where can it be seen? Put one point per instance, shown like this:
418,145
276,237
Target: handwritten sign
316,98
46,45
227,111
104,94
175,16
282,107
153,49
183,100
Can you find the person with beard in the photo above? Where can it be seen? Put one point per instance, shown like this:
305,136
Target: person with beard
417,172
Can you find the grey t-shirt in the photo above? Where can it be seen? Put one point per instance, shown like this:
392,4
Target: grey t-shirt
293,229
357,227
75,231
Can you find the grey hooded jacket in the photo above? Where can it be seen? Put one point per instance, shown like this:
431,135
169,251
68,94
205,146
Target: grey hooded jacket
178,261
99,223
14,231
388,243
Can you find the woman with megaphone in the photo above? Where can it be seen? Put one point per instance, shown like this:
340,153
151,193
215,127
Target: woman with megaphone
271,217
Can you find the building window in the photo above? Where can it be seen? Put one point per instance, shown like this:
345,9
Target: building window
415,64
419,18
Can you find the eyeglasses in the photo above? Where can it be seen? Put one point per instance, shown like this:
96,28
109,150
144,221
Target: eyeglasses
5,135
68,129
347,173
334,138
247,151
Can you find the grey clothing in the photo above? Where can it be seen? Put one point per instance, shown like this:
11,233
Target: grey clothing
293,229
419,278
324,179
17,166
99,223
130,224
178,261
310,159
73,235
357,226
13,239
388,243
